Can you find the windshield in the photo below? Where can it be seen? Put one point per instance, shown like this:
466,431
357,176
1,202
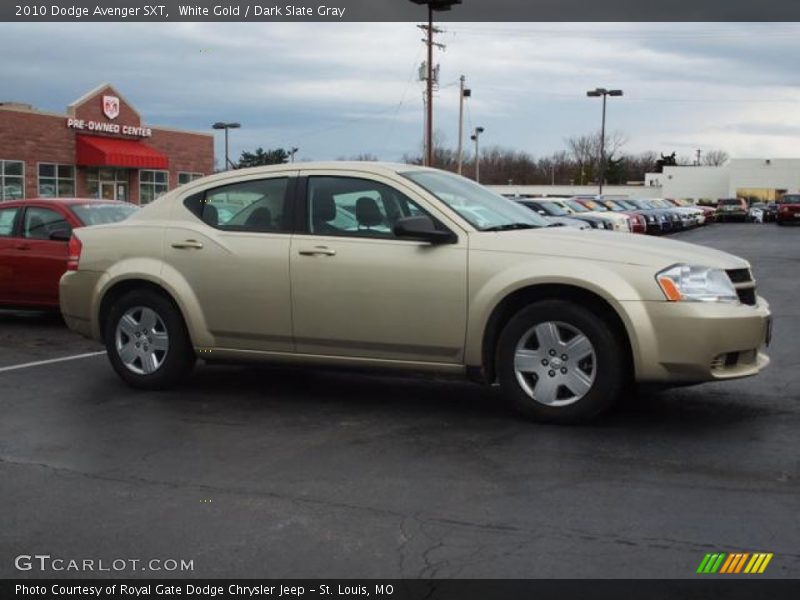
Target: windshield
482,208
790,199
98,213
554,209
730,202
576,206
595,206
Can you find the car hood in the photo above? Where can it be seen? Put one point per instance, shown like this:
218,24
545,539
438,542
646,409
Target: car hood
603,246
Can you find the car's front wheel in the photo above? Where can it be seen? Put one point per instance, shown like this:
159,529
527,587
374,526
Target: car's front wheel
560,362
147,341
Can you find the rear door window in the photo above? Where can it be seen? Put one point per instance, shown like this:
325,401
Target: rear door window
39,223
258,205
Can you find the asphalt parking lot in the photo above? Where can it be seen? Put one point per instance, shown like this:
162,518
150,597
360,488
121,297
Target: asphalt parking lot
277,472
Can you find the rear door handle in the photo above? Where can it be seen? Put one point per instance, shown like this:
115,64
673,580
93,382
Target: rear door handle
317,250
188,245
22,247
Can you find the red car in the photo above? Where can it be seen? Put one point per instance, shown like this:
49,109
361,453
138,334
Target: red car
788,209
34,235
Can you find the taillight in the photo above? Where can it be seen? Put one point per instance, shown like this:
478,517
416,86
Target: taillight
74,253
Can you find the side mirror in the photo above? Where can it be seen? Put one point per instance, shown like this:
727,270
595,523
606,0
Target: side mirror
60,235
423,229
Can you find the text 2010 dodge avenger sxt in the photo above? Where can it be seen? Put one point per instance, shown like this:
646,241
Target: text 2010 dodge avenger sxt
381,265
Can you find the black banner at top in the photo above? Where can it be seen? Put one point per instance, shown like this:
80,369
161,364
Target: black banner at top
398,10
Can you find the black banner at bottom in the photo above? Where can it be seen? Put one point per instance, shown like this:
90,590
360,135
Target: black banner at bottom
406,589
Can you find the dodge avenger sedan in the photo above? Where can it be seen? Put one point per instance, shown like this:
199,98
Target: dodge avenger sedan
406,267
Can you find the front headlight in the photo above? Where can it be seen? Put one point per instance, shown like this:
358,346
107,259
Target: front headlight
696,284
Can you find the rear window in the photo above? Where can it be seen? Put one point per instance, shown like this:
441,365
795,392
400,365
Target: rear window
790,199
99,213
730,202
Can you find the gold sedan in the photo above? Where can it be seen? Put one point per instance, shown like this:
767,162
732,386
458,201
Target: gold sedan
400,266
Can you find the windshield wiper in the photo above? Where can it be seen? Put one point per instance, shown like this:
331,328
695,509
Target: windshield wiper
509,227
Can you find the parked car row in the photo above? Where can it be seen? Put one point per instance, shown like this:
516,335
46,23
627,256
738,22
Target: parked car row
654,216
785,210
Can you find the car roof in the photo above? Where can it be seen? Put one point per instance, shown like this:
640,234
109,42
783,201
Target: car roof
375,167
62,201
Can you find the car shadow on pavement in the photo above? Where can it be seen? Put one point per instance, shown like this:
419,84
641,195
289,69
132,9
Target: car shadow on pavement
352,391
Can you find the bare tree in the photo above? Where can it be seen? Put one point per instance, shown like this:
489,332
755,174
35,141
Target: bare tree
585,151
715,158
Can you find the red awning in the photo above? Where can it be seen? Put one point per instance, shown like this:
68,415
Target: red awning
93,151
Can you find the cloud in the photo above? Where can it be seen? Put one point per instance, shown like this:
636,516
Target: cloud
345,88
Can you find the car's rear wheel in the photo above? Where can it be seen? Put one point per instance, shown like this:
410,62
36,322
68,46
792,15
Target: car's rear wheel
147,341
560,362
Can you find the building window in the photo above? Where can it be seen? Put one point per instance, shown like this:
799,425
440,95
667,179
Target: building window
12,179
152,184
56,181
185,177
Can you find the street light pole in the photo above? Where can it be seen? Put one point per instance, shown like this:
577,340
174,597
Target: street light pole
476,138
463,93
293,152
596,94
226,127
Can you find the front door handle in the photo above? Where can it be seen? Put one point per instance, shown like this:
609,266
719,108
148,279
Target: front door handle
22,247
317,250
188,245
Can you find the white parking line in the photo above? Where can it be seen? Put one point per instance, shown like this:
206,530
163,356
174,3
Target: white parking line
50,361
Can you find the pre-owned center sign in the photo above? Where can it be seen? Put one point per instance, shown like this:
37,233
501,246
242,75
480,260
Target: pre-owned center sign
115,128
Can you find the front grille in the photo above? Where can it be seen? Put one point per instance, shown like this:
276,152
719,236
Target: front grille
747,296
740,278
739,275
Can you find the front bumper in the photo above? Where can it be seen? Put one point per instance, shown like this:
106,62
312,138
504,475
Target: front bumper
692,342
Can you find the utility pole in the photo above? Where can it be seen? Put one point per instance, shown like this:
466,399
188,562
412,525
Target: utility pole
463,93
699,152
430,30
476,138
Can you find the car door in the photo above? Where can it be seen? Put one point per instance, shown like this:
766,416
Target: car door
42,258
359,291
9,261
230,245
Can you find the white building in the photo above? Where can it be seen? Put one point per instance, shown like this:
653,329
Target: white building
752,178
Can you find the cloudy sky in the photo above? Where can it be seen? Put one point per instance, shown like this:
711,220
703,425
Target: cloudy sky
337,90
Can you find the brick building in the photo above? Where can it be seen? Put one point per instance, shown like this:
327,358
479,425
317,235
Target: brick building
99,149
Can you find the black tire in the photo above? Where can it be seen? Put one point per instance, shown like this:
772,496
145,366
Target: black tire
611,369
179,358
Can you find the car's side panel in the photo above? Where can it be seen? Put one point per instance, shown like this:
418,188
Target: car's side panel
380,298
10,260
240,282
43,260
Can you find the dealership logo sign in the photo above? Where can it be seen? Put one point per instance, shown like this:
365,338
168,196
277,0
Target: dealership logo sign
111,106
